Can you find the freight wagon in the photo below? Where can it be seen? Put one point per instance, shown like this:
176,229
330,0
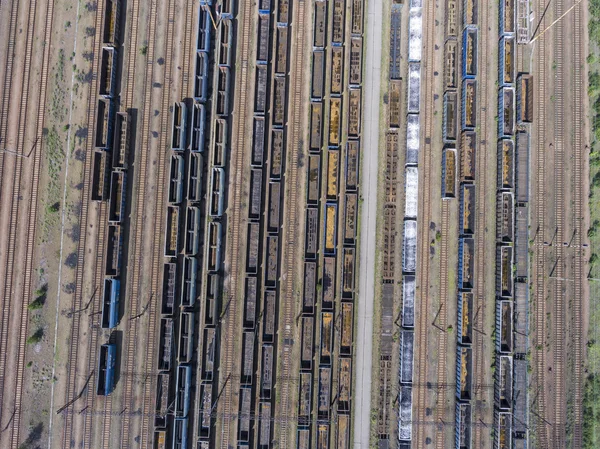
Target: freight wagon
217,192
282,49
188,282
307,342
357,17
169,289
470,12
318,74
264,431
405,414
304,398
347,328
506,61
504,327
108,70
213,293
355,61
258,142
466,262
352,152
504,271
463,426
276,153
415,34
205,412
214,246
106,369
250,291
408,301
245,429
522,167
192,231
449,130
256,182
409,253
467,209
266,382
394,104
330,228
503,430
506,16
411,189
312,233
118,193
348,262
260,99
333,156
350,219
223,85
314,179
225,41
112,20
465,318
165,347
269,314
209,349
252,259
114,250
180,431
179,126
339,18
506,164
522,241
329,282
310,284
162,402
469,104
504,382
198,127
451,62
120,151
272,269
469,53
449,173
468,149
335,121
110,303
506,112
412,139
204,30
344,389
316,126
406,357
324,399
104,124
337,70
176,179
326,347
354,115
464,373
320,25
525,99
279,101
452,18
194,185
505,217
100,175
395,43
201,77
182,391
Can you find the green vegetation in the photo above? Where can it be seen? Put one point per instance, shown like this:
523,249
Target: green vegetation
36,337
591,398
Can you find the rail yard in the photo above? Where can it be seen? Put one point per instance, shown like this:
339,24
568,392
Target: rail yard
324,224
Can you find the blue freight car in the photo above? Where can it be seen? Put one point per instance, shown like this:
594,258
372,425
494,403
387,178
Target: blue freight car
106,369
110,304
180,433
182,392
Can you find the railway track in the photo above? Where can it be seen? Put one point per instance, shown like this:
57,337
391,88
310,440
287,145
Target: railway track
235,177
33,171
558,328
442,320
291,175
579,155
78,299
422,325
157,257
8,77
540,199
135,300
482,194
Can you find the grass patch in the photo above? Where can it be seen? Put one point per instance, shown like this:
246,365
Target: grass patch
36,337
